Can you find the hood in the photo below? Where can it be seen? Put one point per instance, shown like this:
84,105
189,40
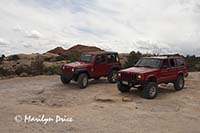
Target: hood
78,64
140,70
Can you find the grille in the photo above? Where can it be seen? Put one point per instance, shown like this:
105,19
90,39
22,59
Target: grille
67,70
127,76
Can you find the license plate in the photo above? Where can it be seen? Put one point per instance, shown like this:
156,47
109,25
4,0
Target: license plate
125,82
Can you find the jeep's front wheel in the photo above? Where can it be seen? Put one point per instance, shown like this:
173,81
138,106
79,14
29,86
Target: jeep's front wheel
64,80
179,83
83,80
123,88
112,76
150,90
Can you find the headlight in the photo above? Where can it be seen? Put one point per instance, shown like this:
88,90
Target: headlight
119,74
72,69
139,77
63,67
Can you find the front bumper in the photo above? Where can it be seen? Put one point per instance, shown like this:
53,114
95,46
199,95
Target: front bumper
132,83
70,76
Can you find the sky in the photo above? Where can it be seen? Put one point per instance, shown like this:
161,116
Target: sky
149,26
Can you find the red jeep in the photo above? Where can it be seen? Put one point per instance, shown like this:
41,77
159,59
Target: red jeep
91,65
151,71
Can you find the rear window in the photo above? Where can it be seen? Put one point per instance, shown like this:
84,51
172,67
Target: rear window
172,62
180,62
112,58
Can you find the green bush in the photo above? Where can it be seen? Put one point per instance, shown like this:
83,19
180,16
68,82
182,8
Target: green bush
13,58
52,70
132,59
37,67
71,57
23,68
5,72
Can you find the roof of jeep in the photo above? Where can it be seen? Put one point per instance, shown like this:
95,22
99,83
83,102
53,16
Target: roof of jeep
163,57
100,52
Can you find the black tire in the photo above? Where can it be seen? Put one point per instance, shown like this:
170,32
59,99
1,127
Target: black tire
123,88
112,76
140,89
150,90
179,83
83,80
65,80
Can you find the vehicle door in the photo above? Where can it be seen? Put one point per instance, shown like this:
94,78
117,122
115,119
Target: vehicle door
172,70
164,71
112,60
181,66
100,66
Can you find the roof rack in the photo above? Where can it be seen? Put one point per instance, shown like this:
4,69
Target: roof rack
171,55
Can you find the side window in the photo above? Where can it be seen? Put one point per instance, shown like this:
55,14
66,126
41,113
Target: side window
172,62
100,59
111,58
180,62
165,63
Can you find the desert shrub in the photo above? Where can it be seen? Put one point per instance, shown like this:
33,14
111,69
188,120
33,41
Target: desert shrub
71,57
52,70
13,58
60,58
37,67
192,62
5,72
2,58
23,69
132,59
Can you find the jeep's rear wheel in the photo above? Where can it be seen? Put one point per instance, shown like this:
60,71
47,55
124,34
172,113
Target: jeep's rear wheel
112,76
83,80
123,88
64,80
179,83
150,90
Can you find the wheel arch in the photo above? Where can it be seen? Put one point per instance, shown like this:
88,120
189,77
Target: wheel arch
152,78
81,71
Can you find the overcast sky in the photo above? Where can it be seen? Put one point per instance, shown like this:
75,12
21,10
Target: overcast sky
158,26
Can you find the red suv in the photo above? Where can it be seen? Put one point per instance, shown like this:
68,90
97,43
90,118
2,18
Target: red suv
151,71
91,65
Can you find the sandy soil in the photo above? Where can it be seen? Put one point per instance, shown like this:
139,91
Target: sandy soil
98,108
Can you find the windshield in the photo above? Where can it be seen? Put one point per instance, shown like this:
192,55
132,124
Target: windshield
86,57
148,62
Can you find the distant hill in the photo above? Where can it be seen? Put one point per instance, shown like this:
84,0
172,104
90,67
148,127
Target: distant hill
77,49
57,50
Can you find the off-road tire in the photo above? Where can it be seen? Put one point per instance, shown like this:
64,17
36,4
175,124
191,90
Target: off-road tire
150,90
140,89
179,83
83,80
123,88
65,80
112,76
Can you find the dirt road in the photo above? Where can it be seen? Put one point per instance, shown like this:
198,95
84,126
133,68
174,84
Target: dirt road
98,108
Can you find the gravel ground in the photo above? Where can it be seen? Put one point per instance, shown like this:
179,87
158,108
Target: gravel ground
98,108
